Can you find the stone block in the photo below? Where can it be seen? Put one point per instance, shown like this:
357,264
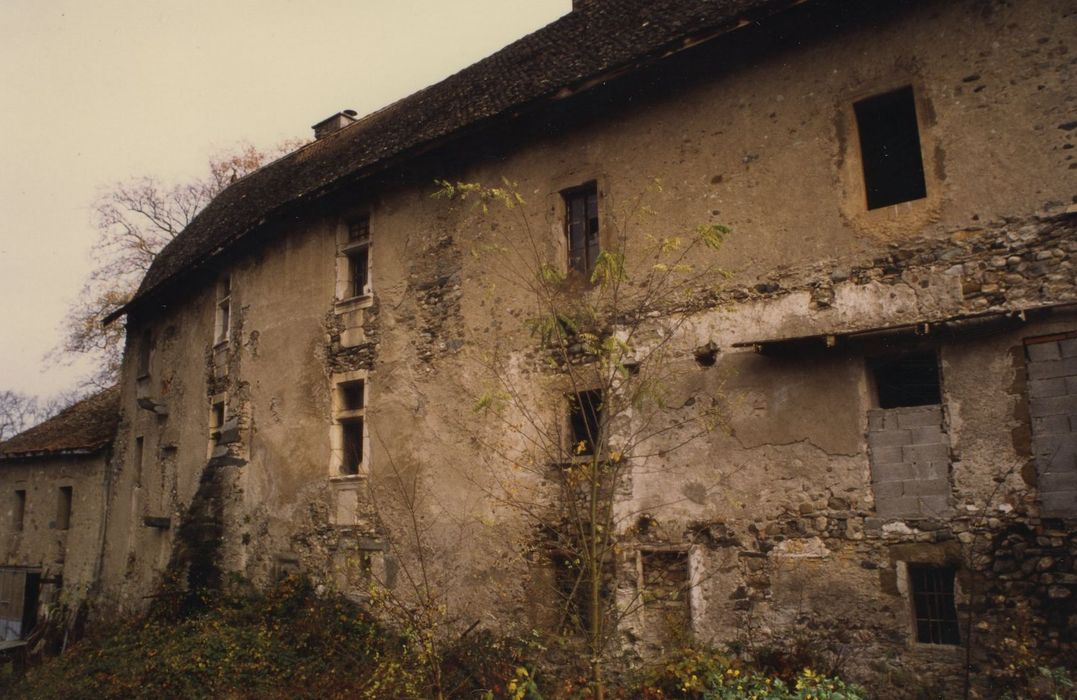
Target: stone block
1038,352
1059,503
904,507
1051,425
919,416
927,487
1053,406
1045,388
888,490
889,438
1066,367
934,505
928,435
882,419
896,471
1068,347
931,470
1058,481
926,453
886,455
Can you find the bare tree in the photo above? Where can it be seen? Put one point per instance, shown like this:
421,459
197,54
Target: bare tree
134,221
591,402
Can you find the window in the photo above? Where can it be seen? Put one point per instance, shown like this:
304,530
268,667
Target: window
138,457
585,422
216,422
63,508
581,228
222,330
18,515
933,604
354,271
908,380
145,347
664,586
890,148
349,425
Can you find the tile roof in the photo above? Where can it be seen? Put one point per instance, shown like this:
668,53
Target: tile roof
601,39
85,427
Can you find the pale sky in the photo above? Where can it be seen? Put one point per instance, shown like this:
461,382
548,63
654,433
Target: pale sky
99,92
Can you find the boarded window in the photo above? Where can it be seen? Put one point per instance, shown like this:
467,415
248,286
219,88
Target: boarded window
665,586
63,508
585,422
1052,407
581,227
890,148
908,380
933,604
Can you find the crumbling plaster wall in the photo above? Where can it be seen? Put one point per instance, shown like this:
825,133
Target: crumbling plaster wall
71,554
757,145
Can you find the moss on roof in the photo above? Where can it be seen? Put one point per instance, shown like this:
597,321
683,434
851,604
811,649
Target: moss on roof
85,427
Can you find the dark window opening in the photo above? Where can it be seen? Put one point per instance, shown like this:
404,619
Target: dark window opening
145,345
581,228
585,421
572,591
909,380
63,508
19,516
138,457
359,229
351,446
216,422
890,148
933,604
351,395
30,596
358,272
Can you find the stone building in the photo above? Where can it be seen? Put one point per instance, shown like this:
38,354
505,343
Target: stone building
893,353
54,481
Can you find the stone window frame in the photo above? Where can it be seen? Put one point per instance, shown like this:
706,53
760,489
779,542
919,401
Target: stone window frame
568,194
222,320
693,593
18,513
904,586
904,218
340,417
215,421
347,247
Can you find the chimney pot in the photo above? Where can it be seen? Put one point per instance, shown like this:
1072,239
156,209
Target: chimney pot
334,123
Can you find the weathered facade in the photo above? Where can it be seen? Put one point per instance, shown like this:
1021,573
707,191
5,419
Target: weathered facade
894,352
54,479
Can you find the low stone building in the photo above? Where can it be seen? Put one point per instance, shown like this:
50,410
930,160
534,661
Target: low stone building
54,478
887,360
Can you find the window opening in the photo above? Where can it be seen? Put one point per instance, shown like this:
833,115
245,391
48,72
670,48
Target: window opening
351,395
933,604
224,310
63,508
356,252
139,448
352,446
216,422
581,228
890,148
585,421
19,516
908,380
665,578
144,348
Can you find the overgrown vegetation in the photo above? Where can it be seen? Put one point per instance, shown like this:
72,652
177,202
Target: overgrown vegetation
293,643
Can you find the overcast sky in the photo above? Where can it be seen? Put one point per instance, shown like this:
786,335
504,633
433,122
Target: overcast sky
99,92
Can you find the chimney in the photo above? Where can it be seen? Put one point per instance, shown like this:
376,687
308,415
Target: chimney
334,123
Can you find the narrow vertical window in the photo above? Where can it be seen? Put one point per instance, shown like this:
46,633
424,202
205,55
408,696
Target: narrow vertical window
890,148
581,228
63,508
222,330
138,457
933,604
355,252
145,346
585,422
349,426
216,422
18,516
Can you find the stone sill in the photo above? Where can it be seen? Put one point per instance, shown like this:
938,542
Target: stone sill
362,301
